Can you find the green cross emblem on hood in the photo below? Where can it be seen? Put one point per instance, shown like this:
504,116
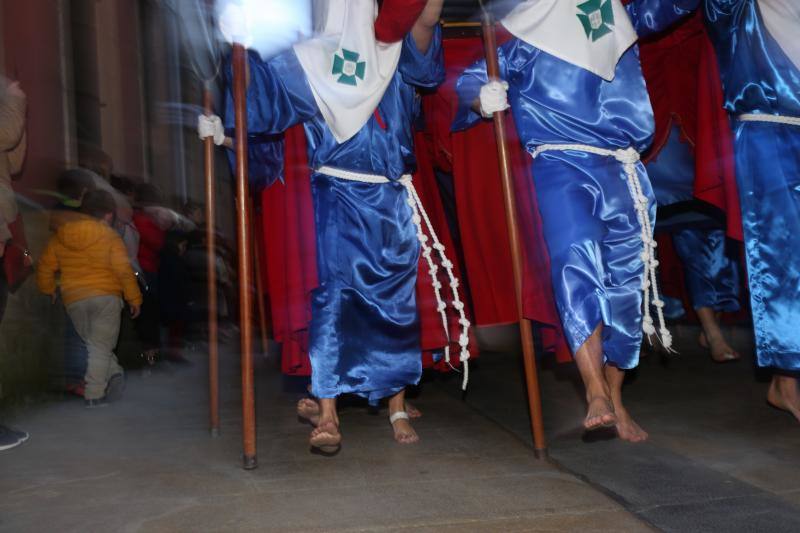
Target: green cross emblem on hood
348,67
597,17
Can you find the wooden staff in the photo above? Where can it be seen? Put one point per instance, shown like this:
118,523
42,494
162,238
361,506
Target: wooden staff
526,331
211,269
245,263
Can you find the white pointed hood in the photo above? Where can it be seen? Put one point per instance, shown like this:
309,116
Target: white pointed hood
590,34
347,69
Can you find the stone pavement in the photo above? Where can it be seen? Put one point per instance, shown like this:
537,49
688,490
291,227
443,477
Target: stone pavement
147,463
718,459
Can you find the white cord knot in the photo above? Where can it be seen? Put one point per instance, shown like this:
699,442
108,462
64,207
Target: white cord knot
628,156
463,340
666,339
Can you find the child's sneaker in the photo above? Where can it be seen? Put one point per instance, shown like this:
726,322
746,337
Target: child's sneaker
10,438
93,404
115,387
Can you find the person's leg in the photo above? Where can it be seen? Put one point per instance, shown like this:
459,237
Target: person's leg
767,171
573,230
713,338
784,393
625,275
627,428
398,416
713,282
589,359
80,313
75,357
364,332
97,321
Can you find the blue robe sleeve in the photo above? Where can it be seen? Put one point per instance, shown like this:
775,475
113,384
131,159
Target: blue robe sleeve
512,60
653,16
264,160
422,70
278,96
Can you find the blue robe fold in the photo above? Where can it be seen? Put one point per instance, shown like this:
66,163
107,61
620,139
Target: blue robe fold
364,331
712,277
757,77
589,221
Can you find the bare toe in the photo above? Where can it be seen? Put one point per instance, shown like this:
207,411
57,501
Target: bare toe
721,352
308,409
600,413
412,411
403,430
628,430
326,438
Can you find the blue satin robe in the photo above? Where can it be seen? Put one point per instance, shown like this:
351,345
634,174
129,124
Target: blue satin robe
712,277
589,221
364,331
757,77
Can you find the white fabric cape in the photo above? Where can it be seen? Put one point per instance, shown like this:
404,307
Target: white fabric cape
591,34
347,69
782,20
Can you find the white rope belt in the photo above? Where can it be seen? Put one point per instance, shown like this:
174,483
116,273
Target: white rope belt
419,215
762,117
629,157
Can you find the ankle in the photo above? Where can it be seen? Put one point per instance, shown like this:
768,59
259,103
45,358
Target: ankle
597,392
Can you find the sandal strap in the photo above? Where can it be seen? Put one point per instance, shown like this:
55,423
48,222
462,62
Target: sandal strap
399,415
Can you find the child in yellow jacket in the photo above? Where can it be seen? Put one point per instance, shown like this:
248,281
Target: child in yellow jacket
95,275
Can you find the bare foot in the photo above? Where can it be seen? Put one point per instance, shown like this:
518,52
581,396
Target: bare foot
783,394
600,413
308,409
627,428
326,438
403,431
721,351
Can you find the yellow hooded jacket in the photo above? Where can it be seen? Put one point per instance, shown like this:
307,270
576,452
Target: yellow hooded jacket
92,260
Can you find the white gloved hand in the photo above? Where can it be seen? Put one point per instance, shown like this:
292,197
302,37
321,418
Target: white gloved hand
210,126
233,25
493,98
